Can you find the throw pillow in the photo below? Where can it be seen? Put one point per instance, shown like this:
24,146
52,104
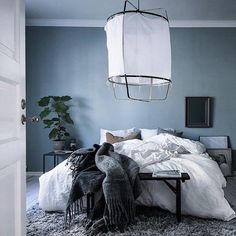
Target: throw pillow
121,133
110,138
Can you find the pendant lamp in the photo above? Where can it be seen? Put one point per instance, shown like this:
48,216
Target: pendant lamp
139,54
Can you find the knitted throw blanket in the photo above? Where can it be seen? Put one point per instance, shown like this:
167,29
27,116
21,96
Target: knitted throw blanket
118,178
86,179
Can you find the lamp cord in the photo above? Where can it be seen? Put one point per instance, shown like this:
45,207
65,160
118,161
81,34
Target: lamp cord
137,8
142,12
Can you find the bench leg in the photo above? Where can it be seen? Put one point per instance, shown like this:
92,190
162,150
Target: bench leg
88,204
92,200
178,200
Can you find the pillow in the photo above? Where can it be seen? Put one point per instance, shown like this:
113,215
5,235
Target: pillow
168,141
148,133
170,131
121,133
110,138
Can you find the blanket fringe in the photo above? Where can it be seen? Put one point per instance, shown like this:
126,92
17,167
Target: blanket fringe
72,210
121,212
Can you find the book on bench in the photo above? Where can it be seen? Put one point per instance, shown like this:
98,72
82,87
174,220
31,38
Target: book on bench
166,173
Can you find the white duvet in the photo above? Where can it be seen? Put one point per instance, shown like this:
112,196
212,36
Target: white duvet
202,195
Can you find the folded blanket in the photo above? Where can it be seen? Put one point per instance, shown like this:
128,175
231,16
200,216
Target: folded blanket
117,175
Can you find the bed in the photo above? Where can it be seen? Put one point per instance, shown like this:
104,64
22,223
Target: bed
202,196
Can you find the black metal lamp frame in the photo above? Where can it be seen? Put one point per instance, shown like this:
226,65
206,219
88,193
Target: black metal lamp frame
166,81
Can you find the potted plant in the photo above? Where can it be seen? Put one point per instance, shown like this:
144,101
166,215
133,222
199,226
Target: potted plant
55,115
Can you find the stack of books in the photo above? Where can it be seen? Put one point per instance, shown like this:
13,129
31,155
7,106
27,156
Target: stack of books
166,173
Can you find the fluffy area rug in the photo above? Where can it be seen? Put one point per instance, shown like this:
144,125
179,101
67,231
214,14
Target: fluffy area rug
149,222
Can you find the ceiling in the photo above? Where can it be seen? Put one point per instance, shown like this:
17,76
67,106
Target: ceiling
99,10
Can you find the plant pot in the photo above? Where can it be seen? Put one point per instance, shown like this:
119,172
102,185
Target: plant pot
59,145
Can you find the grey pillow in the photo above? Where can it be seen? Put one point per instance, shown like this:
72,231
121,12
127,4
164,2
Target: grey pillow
169,131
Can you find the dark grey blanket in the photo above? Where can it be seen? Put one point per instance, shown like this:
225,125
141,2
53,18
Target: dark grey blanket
120,186
118,178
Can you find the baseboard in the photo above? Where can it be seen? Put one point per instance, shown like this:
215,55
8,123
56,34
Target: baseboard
33,173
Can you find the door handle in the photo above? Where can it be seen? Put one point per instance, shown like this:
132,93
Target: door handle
23,103
25,119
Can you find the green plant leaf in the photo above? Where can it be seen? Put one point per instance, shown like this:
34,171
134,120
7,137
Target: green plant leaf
62,128
61,107
53,134
55,119
43,102
58,105
65,98
67,118
45,112
48,122
56,98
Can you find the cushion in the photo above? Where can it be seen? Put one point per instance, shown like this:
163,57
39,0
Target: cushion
170,131
148,133
121,133
110,138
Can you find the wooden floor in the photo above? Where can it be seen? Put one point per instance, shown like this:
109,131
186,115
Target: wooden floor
33,189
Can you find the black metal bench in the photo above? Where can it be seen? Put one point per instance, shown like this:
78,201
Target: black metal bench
148,176
175,189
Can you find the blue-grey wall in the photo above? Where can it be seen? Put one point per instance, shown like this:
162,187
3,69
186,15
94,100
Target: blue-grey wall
73,61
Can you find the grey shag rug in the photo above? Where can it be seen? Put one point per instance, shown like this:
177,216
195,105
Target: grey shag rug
149,222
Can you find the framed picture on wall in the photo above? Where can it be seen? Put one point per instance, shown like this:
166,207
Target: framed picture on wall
223,157
214,141
198,112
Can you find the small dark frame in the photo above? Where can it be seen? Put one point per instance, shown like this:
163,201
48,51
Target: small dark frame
198,112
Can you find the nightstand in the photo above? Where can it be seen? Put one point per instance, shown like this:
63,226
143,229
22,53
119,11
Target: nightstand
55,156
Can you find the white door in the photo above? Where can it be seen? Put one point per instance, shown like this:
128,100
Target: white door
12,132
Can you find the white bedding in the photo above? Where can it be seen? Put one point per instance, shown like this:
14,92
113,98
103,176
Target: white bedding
55,188
202,195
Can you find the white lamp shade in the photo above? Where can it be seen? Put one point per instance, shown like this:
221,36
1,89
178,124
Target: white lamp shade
138,45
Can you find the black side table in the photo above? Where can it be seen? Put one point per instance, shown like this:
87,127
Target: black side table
55,155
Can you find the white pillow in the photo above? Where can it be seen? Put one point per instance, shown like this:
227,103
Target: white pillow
148,133
120,133
168,142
